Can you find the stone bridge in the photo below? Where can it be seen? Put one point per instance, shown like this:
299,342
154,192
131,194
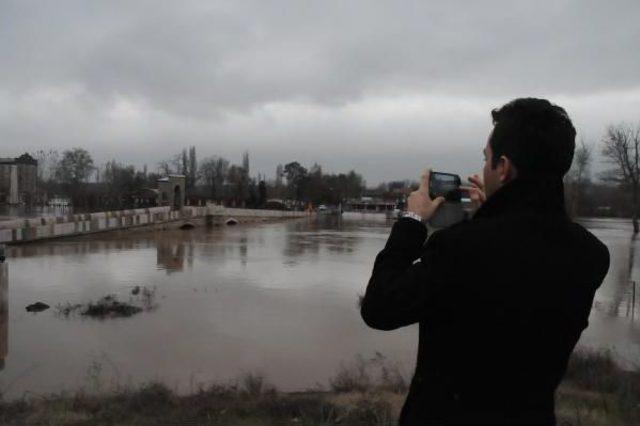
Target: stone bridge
32,229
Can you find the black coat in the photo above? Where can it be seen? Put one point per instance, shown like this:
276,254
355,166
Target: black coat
501,300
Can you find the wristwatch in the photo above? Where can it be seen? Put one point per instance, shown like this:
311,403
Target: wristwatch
412,215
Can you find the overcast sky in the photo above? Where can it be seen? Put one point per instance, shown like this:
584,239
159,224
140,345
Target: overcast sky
385,88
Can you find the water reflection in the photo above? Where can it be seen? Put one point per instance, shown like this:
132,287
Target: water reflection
331,233
81,246
614,296
611,325
170,255
244,250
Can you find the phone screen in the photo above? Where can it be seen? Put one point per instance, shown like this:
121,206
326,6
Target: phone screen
450,212
446,185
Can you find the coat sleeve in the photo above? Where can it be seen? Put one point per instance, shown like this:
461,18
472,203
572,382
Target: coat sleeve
399,290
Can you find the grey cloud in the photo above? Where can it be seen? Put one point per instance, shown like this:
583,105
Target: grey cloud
192,57
207,73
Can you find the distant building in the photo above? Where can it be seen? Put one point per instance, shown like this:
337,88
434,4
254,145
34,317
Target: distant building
276,204
171,191
377,205
369,204
18,178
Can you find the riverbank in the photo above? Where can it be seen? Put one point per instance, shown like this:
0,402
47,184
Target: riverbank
49,227
594,392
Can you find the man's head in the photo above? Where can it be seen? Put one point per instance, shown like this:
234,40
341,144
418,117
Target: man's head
530,138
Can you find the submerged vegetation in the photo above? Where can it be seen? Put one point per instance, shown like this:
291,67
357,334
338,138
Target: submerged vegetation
109,306
365,392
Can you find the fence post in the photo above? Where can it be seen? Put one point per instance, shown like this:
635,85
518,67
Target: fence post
633,299
4,306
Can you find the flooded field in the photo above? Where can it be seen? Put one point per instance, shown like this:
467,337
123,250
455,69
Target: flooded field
278,298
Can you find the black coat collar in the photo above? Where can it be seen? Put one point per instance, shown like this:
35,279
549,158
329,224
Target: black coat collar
540,195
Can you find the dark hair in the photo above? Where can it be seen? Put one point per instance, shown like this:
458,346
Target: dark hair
537,136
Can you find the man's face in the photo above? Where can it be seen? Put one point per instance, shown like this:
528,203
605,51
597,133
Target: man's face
490,176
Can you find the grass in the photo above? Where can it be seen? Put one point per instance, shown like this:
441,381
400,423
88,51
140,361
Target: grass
364,375
154,404
596,391
363,392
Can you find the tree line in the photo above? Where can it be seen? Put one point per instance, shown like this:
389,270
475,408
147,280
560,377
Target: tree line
73,174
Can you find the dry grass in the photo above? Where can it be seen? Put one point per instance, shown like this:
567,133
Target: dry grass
364,375
596,391
364,392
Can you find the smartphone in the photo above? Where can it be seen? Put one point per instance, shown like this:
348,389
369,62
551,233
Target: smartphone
446,185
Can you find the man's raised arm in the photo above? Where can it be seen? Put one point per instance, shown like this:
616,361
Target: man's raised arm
397,290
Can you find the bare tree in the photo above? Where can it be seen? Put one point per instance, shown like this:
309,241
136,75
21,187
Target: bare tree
47,164
193,168
172,165
245,162
184,170
164,167
213,171
622,149
75,166
579,174
279,186
239,182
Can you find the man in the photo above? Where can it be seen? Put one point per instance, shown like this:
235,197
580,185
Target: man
501,299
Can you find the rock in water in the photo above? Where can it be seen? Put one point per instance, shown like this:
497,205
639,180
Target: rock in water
37,307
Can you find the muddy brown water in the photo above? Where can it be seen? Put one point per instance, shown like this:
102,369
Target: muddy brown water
279,299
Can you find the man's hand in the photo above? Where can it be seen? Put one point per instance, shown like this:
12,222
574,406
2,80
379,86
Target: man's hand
420,203
476,191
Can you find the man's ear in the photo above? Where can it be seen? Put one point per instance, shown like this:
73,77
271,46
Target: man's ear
507,169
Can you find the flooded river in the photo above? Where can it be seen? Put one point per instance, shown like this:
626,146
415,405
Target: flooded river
277,298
